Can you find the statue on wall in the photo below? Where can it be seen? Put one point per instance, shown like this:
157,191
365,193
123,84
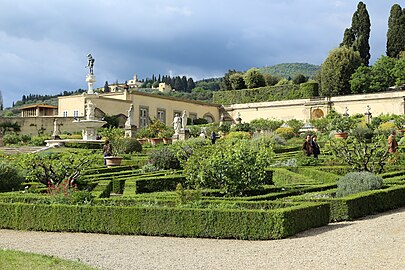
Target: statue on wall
90,63
130,120
184,119
176,124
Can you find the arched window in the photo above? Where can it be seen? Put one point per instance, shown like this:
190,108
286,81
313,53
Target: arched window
209,117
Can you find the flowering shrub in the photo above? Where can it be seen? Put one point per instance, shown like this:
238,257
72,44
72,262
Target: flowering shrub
66,192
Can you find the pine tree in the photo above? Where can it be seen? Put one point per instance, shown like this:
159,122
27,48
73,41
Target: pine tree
184,84
357,37
190,84
396,31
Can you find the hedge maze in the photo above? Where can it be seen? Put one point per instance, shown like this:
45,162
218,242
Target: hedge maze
129,201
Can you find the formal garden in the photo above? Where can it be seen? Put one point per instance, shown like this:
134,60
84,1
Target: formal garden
254,183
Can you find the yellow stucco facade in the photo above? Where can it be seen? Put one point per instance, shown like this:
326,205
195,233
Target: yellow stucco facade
307,109
164,108
145,106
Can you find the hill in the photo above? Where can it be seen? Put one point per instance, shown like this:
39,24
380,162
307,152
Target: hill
290,70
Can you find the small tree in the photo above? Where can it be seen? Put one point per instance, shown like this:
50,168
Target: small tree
234,166
53,168
360,153
254,78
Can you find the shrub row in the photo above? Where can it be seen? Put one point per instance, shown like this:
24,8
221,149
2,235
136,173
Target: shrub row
283,177
182,222
362,204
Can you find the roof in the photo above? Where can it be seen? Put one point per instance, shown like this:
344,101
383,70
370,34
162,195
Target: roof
45,106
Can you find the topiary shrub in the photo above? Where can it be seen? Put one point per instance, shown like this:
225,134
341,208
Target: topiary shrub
10,179
356,182
132,145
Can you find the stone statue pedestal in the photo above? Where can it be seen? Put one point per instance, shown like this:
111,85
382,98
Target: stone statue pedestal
90,79
1,140
368,117
184,134
130,131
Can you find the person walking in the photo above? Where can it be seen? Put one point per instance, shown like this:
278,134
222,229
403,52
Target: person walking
392,143
315,147
306,147
213,137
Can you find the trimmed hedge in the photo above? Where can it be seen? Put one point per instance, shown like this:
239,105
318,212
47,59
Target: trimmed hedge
224,223
283,177
268,93
160,183
361,204
320,176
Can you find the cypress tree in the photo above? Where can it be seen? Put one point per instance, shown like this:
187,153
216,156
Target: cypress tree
396,31
357,37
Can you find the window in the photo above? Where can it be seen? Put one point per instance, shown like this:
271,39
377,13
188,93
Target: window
143,117
192,116
65,113
161,115
209,117
75,113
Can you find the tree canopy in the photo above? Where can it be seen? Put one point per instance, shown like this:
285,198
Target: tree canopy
336,71
396,31
358,35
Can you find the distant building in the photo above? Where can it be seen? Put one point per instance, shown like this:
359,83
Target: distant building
165,88
134,83
39,110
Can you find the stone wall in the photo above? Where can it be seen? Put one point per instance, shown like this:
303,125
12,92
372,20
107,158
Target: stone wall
35,125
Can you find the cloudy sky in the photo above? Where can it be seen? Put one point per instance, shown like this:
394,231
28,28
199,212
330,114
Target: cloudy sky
44,43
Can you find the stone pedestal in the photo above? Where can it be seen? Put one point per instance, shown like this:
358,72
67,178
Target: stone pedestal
1,140
368,117
184,134
90,79
130,131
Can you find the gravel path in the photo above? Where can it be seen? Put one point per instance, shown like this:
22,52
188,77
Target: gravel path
375,242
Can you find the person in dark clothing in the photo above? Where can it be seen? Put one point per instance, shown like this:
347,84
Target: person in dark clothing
307,147
315,147
107,150
213,137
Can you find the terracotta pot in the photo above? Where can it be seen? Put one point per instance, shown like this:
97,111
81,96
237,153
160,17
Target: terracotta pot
142,141
341,135
155,141
113,161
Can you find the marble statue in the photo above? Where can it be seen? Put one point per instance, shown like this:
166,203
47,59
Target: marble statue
177,124
90,110
184,120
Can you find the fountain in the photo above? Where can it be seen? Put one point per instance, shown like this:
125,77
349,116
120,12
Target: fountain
90,124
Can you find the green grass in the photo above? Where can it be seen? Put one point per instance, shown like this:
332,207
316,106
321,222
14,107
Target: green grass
13,260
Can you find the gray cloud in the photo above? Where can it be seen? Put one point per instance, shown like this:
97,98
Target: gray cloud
44,43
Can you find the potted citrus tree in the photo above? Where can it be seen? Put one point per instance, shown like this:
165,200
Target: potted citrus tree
118,145
166,135
342,125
